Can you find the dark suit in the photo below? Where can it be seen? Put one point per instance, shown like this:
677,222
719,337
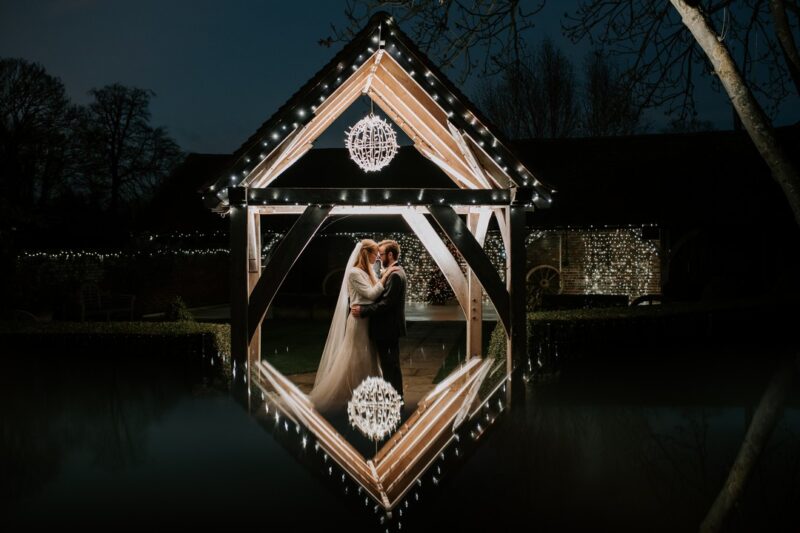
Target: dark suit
387,323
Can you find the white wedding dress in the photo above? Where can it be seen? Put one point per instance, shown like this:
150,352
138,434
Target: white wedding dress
349,355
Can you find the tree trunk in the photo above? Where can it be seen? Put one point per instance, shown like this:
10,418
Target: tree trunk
784,32
766,416
114,200
753,117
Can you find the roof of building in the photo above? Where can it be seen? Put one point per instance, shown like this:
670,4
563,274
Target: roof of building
384,63
705,178
712,178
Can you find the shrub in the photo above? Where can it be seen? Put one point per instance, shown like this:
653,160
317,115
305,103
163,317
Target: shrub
177,311
59,338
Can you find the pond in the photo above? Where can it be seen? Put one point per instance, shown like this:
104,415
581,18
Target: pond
103,441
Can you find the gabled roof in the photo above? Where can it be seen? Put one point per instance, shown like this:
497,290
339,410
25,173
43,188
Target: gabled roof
384,64
615,181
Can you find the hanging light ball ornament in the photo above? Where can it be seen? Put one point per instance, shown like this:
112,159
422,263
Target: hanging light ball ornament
372,143
374,408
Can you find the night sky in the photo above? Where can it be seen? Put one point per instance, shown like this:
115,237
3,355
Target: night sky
218,69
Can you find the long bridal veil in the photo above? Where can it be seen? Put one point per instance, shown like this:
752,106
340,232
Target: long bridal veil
337,329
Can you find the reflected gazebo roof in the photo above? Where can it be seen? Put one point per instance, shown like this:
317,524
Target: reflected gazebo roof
410,451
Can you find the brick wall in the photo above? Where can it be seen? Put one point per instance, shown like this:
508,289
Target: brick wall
603,261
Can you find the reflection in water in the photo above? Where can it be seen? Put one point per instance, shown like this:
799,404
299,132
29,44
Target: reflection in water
389,476
98,441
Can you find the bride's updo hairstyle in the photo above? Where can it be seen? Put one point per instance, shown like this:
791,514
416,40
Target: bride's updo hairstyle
368,246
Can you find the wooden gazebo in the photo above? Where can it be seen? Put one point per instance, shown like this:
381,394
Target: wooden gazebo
381,63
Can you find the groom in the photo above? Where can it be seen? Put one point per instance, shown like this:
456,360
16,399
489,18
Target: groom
388,322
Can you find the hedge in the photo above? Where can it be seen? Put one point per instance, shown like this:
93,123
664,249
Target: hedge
556,337
144,337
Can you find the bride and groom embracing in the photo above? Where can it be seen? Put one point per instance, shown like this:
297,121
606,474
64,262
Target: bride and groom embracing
369,319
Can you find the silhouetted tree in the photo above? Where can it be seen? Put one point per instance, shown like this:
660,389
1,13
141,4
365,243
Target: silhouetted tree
688,125
609,105
124,157
541,98
666,62
36,124
477,35
783,32
536,98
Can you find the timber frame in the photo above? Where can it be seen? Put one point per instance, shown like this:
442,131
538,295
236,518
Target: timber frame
489,181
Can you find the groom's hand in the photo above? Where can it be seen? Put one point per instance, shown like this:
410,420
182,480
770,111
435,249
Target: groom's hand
356,310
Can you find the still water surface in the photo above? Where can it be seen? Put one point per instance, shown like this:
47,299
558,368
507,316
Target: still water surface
109,441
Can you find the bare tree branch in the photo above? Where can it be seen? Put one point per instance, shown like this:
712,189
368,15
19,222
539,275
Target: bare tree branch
454,32
786,39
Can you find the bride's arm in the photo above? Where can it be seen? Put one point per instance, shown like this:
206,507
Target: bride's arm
390,300
363,287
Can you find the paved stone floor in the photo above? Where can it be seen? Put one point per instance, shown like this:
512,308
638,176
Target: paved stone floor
432,331
422,353
415,312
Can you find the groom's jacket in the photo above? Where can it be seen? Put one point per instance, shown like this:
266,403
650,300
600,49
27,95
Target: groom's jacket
388,313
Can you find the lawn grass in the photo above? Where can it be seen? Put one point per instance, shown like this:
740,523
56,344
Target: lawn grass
293,346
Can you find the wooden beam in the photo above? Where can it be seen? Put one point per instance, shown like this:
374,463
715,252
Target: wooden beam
375,62
301,139
478,224
355,79
296,406
482,228
479,174
500,214
287,252
435,135
414,89
254,273
412,111
392,210
441,256
518,336
240,339
395,116
457,231
264,168
460,179
408,453
492,167
289,159
421,142
379,197
334,106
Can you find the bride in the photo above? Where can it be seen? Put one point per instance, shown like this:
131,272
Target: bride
349,355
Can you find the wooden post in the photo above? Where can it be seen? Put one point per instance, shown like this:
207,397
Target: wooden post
240,222
478,224
253,273
518,340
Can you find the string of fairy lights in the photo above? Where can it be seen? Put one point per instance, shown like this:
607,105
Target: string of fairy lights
615,260
301,109
426,283
104,256
464,440
619,261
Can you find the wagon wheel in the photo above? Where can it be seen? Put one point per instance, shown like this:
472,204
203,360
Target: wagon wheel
648,299
541,280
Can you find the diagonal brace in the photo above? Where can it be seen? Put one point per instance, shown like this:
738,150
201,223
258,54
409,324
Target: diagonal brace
458,232
273,275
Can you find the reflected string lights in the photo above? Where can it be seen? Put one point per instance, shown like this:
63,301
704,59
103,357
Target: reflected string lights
323,455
